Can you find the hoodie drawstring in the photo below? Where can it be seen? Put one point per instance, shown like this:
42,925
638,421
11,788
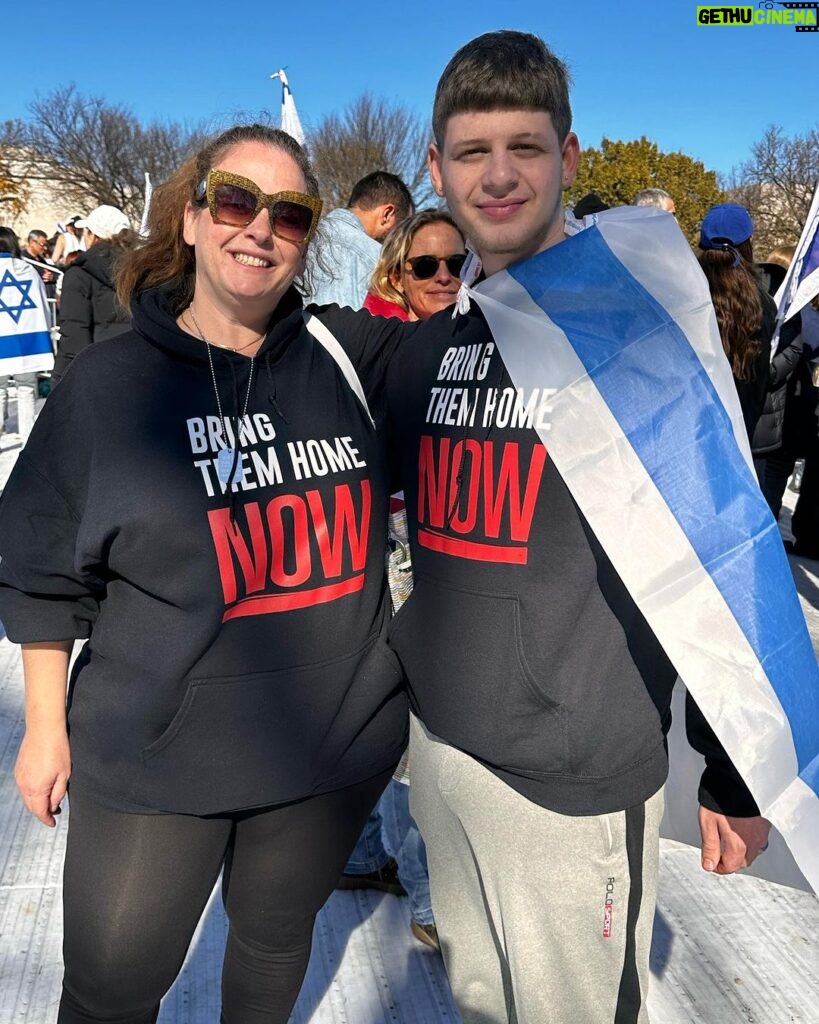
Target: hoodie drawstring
235,450
272,382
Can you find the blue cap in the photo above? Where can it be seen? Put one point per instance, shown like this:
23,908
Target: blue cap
725,225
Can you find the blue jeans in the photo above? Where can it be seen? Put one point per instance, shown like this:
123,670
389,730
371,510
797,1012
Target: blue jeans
391,831
369,853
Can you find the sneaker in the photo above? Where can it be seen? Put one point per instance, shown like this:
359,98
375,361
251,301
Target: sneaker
426,933
384,880
796,479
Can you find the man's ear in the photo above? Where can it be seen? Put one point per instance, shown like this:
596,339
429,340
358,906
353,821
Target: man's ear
388,215
434,165
570,151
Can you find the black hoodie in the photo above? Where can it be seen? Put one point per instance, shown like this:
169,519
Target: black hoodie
520,642
235,657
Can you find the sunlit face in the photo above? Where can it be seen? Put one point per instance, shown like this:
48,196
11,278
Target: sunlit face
503,173
426,297
244,272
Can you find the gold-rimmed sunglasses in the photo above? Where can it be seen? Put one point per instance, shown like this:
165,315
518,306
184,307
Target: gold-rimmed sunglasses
235,200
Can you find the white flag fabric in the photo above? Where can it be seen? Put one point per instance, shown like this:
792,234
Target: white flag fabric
801,282
290,116
647,432
146,208
25,341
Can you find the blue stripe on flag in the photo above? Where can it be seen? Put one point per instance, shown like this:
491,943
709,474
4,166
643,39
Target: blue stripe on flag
655,386
810,261
32,344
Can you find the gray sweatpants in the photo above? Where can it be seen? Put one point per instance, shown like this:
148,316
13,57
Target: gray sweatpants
543,918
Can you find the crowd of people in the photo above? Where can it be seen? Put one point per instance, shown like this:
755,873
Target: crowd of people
218,485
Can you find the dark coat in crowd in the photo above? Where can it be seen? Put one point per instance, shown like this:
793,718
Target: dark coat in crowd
768,433
754,391
89,310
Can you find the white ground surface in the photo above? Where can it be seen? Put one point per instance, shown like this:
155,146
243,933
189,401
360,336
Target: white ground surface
736,950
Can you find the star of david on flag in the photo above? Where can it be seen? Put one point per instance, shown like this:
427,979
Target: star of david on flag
25,339
9,282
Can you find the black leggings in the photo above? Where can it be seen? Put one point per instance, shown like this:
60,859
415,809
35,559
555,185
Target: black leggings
136,885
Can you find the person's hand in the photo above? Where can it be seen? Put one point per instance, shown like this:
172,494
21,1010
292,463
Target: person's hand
42,772
731,843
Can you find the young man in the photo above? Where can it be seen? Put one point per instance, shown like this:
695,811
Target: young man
541,695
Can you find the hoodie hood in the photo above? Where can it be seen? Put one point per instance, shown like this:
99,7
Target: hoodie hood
154,314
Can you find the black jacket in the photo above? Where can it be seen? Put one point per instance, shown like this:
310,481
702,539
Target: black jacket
235,656
89,310
767,436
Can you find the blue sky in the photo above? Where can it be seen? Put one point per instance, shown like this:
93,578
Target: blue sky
638,68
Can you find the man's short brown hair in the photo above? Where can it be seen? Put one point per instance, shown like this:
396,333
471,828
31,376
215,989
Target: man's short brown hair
379,188
503,70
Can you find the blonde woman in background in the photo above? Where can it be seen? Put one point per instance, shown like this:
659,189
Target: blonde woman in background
417,273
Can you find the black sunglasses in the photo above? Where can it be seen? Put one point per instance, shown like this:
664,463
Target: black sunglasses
235,200
425,267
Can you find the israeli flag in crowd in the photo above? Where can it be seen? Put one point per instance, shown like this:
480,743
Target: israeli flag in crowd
290,123
801,282
647,432
25,342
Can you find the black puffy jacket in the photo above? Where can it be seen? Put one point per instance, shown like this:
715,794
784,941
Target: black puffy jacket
768,433
88,308
767,436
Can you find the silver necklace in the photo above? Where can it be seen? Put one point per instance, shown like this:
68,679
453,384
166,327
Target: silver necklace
227,457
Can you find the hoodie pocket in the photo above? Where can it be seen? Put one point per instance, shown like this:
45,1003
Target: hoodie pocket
470,682
243,741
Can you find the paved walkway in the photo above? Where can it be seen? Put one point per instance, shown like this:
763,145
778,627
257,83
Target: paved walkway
736,950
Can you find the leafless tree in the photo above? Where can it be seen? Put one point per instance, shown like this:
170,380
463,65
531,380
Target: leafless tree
777,184
92,152
370,135
13,188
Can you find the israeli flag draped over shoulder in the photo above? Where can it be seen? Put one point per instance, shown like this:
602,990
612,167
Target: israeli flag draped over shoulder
25,342
646,430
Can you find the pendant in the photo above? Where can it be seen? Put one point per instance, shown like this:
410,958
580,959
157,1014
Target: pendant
224,464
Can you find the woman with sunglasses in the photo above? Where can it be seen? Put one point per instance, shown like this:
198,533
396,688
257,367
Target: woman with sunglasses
204,499
417,272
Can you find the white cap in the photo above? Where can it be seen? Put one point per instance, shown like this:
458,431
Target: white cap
104,221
